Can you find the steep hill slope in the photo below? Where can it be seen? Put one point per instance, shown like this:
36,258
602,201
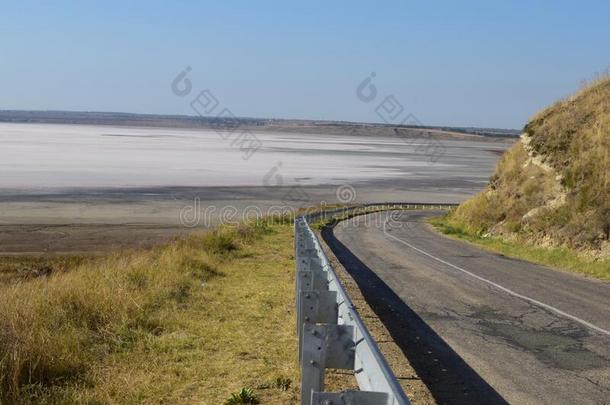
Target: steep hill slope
552,188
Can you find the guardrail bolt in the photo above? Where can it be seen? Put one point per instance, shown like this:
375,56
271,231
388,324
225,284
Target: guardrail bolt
327,402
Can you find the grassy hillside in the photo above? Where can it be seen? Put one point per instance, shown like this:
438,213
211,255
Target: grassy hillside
552,188
189,322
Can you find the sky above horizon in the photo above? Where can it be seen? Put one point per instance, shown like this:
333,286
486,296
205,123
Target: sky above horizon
476,63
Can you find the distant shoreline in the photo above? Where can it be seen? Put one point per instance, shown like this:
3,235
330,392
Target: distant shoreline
253,124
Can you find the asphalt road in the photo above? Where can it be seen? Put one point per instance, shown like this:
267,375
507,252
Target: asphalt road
477,326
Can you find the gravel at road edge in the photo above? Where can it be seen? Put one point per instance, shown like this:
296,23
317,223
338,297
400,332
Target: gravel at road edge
410,382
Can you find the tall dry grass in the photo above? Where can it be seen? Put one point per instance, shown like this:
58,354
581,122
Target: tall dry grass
568,205
56,330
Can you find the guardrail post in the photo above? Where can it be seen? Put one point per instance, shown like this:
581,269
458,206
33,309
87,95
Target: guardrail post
310,281
310,276
350,398
316,307
306,248
324,346
310,263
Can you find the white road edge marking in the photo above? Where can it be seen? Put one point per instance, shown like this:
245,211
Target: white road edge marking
498,286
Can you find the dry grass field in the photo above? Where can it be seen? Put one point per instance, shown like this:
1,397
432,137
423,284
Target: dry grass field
191,321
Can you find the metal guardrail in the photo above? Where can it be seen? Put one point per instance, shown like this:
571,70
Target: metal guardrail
331,332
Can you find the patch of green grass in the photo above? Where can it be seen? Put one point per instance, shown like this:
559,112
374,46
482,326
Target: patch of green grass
563,258
245,396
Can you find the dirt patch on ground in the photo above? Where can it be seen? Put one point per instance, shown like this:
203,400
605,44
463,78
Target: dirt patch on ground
78,239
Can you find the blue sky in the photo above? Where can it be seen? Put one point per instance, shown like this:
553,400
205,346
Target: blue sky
476,63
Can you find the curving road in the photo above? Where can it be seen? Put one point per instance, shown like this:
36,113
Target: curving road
477,326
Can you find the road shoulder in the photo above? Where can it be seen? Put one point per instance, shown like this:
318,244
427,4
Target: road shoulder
411,383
